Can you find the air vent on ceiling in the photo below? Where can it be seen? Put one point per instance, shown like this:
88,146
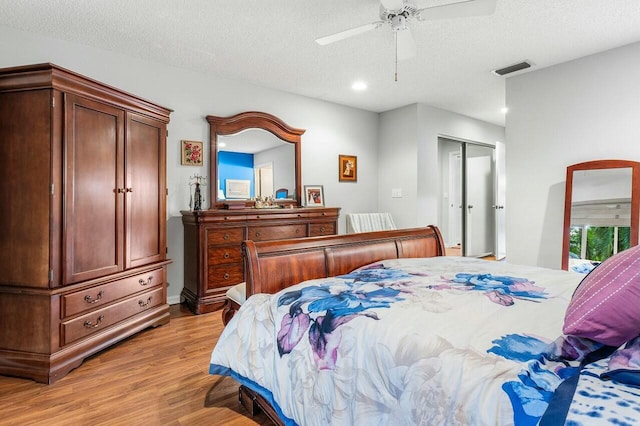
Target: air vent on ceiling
512,68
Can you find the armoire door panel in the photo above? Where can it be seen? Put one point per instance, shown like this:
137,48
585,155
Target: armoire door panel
94,184
25,171
145,206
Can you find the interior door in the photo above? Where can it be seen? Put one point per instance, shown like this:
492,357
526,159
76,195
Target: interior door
470,190
500,198
479,210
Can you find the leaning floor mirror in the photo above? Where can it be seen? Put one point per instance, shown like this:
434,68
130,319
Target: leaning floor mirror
601,214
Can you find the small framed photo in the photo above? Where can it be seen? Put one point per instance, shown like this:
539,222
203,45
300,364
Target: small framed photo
347,168
238,189
191,153
313,196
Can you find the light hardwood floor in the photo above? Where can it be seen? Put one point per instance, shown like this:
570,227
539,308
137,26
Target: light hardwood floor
157,377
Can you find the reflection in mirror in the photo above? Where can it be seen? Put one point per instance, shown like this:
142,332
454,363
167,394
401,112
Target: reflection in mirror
257,157
254,154
601,212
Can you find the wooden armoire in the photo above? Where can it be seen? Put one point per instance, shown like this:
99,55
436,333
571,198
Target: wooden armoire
82,219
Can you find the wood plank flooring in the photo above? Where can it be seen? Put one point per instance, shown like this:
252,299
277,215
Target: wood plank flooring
157,377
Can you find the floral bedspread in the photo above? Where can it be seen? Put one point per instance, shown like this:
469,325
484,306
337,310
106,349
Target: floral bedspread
444,340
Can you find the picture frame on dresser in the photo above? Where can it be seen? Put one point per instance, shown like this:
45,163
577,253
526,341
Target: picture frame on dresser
314,196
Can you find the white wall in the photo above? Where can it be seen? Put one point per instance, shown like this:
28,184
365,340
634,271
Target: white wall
331,129
408,152
586,109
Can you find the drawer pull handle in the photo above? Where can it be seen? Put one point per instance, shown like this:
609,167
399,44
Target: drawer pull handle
226,255
89,324
226,276
121,190
322,229
143,282
226,236
258,234
90,300
324,214
142,303
129,190
297,231
299,215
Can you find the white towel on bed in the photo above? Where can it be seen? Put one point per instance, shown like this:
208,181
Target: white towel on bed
368,222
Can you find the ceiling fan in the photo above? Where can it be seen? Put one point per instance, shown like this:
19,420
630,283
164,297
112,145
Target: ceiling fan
397,13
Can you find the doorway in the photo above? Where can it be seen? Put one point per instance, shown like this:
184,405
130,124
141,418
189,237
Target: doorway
471,215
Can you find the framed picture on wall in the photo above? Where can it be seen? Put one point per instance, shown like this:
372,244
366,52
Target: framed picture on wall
313,196
191,153
238,189
347,168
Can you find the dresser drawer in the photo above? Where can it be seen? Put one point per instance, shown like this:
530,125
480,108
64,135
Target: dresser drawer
94,297
317,229
228,254
100,319
318,214
278,232
224,275
225,235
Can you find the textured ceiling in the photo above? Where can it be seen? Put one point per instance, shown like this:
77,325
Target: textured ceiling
271,43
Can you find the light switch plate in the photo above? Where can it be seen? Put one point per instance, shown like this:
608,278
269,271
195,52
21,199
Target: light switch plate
396,193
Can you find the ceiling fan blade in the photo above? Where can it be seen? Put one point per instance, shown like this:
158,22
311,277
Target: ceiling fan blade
459,9
406,45
348,33
392,4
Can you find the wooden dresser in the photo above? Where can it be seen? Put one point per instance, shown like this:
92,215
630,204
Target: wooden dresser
212,245
83,229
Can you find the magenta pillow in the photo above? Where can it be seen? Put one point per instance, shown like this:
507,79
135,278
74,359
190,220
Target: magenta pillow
606,305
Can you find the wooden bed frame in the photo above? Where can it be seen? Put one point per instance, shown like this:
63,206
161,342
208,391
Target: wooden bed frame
271,266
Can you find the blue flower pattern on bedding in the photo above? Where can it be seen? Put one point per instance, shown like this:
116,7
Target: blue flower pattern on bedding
443,372
321,309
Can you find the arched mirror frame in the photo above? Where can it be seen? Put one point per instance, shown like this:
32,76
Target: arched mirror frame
598,165
252,120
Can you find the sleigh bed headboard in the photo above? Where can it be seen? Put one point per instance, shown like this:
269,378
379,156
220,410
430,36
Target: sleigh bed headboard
271,266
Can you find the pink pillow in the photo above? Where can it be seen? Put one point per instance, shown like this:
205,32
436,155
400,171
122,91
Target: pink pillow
606,305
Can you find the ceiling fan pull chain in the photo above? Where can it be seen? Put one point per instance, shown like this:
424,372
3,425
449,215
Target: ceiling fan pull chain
395,35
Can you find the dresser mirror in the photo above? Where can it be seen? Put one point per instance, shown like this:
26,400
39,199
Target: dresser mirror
254,155
601,213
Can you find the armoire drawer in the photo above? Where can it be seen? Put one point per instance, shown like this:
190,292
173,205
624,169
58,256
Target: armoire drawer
318,229
100,319
224,254
225,235
91,298
224,275
267,233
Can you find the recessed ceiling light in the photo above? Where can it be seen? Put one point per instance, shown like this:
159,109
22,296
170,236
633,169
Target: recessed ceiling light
504,110
359,86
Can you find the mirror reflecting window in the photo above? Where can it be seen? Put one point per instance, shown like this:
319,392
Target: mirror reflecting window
254,154
601,212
